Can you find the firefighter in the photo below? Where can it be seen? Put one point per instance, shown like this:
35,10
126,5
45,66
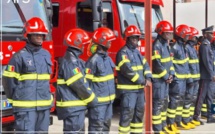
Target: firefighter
27,79
100,74
192,91
204,105
163,73
207,75
133,74
178,86
73,92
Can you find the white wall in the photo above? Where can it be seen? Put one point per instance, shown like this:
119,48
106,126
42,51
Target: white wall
191,13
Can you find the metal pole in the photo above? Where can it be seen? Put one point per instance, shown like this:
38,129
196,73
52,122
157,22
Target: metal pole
206,13
148,47
174,14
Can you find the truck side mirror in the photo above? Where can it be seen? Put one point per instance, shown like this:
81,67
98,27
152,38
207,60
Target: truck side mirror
116,33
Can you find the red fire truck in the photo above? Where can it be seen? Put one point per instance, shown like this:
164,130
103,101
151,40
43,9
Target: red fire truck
91,14
14,15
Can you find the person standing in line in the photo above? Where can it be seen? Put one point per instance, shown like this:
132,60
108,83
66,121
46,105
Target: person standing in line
26,79
100,75
207,76
192,91
162,73
133,73
73,92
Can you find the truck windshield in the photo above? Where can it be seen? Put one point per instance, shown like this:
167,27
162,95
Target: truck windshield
11,21
134,14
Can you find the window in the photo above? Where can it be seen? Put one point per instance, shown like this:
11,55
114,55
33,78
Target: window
55,17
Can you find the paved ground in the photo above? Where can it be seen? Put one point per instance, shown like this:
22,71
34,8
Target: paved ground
57,126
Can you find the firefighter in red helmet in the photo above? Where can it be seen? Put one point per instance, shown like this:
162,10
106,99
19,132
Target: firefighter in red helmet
100,75
162,73
27,78
73,92
133,73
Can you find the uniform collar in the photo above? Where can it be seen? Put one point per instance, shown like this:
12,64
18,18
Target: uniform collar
32,48
161,39
102,53
74,52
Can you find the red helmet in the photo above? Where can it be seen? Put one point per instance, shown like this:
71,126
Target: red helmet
213,37
182,31
76,38
132,30
103,36
163,26
194,32
35,26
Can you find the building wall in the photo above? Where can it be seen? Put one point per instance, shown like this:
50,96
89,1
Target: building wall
190,13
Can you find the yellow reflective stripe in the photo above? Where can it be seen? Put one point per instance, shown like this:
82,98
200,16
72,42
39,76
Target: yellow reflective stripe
136,68
195,75
122,62
172,68
29,103
182,76
10,100
34,77
179,108
140,130
171,110
155,117
156,122
129,87
186,115
117,68
124,129
180,61
135,78
186,110
193,61
167,59
89,99
156,57
147,72
204,109
144,61
159,75
163,118
204,105
11,74
170,115
103,78
107,98
74,78
136,124
192,108
124,132
89,76
73,103
214,62
61,81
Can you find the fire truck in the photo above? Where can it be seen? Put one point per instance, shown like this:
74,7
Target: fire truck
14,15
91,14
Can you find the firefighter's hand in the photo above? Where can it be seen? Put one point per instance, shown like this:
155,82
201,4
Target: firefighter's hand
148,83
170,79
213,79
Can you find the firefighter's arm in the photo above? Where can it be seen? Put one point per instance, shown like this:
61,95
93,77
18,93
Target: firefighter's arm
146,69
161,72
205,54
75,80
125,68
192,62
11,76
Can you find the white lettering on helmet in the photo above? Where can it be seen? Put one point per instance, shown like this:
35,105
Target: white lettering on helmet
132,30
95,35
35,26
68,37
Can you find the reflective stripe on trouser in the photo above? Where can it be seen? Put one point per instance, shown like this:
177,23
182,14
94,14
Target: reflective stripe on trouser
187,103
75,123
194,98
204,109
179,109
131,112
160,94
176,88
206,91
99,118
32,121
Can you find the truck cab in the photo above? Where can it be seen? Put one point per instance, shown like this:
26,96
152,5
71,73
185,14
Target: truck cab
91,14
14,15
